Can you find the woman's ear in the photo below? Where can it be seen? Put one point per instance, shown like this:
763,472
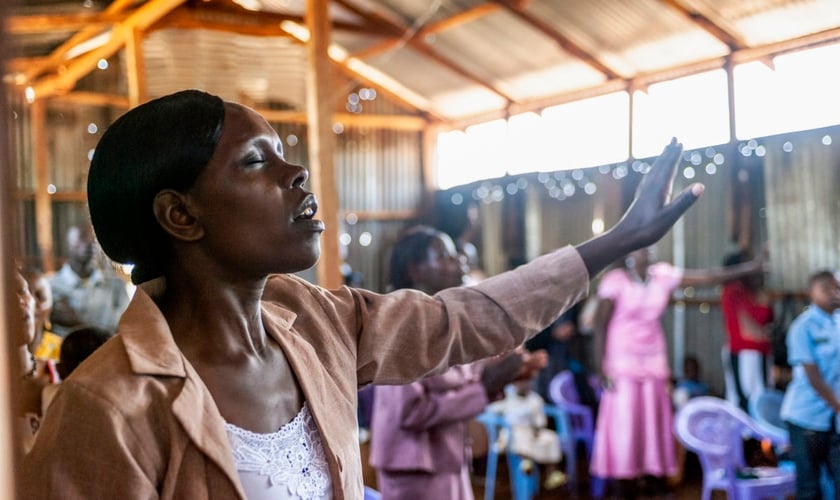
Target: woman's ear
172,211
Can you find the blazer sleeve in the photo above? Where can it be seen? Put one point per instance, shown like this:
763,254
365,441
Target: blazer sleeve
405,335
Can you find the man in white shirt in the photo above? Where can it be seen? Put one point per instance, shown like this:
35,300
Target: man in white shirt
83,293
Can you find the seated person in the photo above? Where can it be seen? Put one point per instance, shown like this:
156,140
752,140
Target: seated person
524,410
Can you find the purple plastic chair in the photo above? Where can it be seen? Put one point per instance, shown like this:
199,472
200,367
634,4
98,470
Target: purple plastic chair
576,426
714,429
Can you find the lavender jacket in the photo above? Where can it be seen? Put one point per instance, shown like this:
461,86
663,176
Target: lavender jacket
422,426
135,421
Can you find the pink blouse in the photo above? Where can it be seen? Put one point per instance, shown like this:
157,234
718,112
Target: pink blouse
635,340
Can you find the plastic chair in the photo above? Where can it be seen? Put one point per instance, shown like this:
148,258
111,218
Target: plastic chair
525,484
577,424
765,407
714,429
371,494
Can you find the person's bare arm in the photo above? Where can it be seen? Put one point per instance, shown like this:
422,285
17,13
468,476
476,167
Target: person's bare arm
818,383
714,276
603,315
649,217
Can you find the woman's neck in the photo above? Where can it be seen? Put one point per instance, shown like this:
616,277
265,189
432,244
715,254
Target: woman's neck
638,275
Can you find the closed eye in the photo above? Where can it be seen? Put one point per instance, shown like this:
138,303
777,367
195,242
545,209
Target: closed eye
254,160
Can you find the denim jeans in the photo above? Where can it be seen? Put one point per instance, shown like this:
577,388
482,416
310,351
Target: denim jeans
810,450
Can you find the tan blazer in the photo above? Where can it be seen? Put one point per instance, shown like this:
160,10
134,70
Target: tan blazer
136,421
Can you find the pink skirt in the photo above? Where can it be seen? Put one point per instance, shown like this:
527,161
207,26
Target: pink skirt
633,434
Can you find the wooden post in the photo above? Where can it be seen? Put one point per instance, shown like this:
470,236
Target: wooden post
8,300
429,164
136,68
321,141
43,203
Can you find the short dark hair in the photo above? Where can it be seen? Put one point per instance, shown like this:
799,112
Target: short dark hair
162,144
78,345
821,275
735,258
411,248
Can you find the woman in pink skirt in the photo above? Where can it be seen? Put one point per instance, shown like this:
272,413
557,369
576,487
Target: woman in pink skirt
633,430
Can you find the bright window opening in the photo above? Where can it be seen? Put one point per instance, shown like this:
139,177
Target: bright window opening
799,93
694,109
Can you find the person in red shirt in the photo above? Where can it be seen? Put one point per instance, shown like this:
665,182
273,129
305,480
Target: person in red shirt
747,316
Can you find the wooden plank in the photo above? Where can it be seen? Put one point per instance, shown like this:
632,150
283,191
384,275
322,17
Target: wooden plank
321,139
389,122
44,23
84,98
385,215
233,18
140,19
43,204
429,166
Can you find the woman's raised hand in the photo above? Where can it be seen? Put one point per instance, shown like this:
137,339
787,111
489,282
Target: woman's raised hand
651,214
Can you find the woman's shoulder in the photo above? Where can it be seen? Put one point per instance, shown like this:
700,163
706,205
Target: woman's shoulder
107,378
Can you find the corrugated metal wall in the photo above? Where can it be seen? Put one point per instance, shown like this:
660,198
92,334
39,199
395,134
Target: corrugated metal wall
703,238
803,205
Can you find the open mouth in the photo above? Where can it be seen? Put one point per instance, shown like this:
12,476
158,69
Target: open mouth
308,209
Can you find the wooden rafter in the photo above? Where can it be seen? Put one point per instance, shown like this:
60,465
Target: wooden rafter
367,120
57,57
645,79
418,44
708,21
233,18
44,23
517,9
450,22
140,20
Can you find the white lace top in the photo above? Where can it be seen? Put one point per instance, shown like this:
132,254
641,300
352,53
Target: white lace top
285,465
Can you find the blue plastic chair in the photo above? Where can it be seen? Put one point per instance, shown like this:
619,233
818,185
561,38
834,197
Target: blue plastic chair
714,429
371,494
525,484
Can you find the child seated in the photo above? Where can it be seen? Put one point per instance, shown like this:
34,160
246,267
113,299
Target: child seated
524,410
690,385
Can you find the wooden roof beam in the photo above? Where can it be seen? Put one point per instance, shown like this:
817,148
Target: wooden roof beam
615,85
709,22
229,13
45,23
411,123
450,22
57,57
140,20
406,36
517,9
359,71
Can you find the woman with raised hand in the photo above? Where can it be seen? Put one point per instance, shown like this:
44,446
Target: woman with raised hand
229,376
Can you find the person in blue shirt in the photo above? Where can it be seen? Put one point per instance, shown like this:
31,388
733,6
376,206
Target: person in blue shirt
811,403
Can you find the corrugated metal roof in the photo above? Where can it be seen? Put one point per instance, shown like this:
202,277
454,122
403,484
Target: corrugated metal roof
461,58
